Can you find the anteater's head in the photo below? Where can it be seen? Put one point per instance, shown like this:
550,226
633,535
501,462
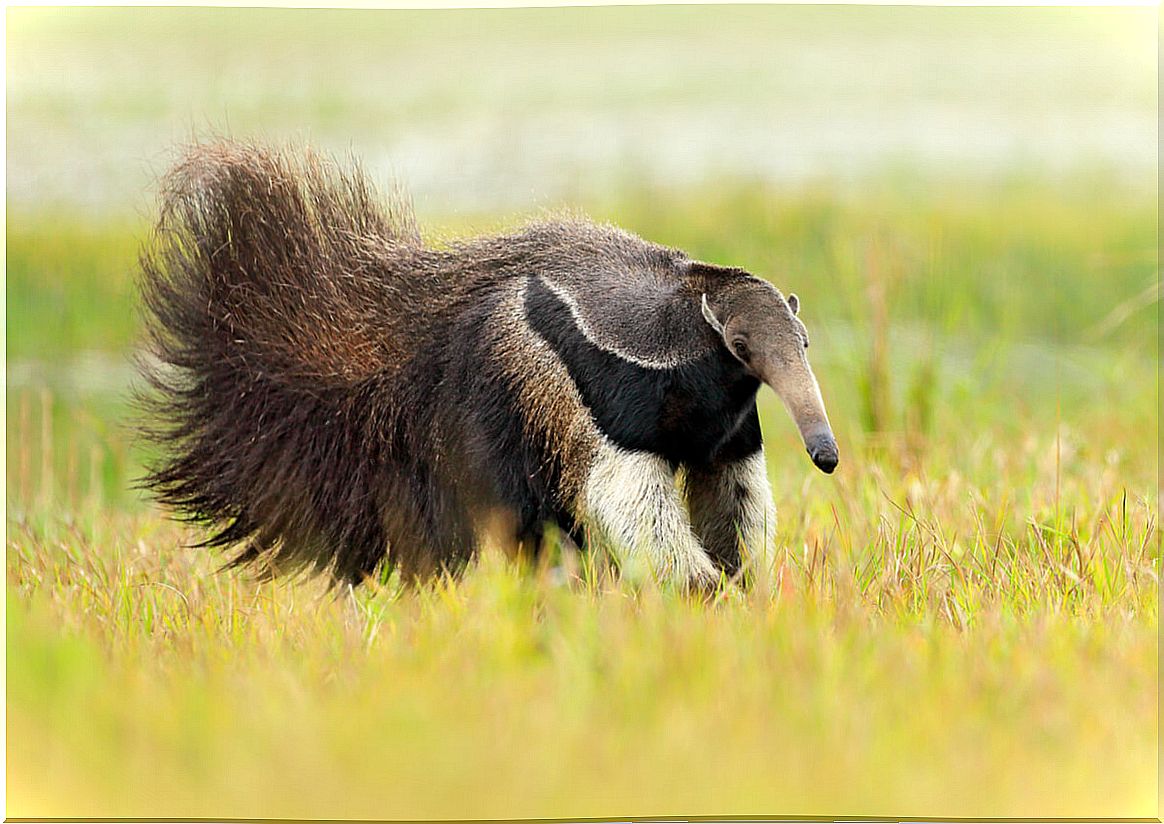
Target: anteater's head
761,329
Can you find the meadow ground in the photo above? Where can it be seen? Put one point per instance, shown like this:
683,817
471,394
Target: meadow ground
965,617
965,620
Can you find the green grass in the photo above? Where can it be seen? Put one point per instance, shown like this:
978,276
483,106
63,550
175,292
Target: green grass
965,617
964,622
903,676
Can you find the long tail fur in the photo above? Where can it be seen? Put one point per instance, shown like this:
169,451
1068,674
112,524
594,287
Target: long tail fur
267,292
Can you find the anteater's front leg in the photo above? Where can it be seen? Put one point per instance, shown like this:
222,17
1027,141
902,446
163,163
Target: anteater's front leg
732,512
632,499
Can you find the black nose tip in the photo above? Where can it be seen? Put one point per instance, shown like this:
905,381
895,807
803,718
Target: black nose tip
826,462
824,454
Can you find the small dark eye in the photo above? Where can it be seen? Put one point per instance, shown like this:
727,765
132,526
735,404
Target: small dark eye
741,349
806,343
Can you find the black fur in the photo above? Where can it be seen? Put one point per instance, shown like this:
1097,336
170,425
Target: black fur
688,414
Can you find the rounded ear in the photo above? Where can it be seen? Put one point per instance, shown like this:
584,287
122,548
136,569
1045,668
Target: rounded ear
709,316
793,303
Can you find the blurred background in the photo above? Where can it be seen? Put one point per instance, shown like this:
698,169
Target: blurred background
964,198
494,109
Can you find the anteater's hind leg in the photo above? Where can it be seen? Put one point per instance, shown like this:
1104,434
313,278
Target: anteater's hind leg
427,532
530,538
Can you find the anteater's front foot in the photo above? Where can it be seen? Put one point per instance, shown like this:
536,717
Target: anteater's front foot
695,574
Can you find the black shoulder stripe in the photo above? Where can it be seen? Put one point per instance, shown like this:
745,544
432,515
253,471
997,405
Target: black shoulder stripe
685,414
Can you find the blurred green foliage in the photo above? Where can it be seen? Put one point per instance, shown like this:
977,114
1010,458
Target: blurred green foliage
69,285
1017,263
995,306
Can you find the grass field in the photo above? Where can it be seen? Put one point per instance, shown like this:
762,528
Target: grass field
965,619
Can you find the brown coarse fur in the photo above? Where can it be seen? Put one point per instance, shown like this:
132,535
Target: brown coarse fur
326,383
263,292
334,394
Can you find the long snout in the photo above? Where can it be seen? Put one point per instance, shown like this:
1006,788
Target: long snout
798,389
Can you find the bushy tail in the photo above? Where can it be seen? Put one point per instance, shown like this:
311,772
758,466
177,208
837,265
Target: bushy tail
268,292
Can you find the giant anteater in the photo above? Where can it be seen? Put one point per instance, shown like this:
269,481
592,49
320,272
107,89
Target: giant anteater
334,393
